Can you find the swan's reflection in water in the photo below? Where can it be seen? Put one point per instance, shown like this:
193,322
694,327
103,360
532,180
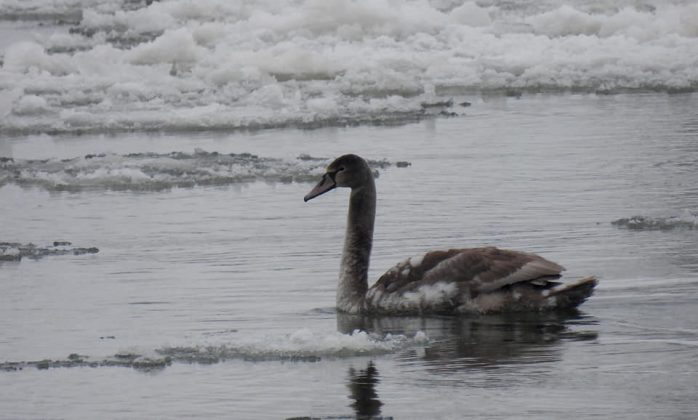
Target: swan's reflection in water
362,391
481,342
458,344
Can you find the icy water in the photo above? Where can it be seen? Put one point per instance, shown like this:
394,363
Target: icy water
229,289
157,259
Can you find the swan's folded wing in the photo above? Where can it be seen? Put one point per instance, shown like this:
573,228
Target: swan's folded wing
479,270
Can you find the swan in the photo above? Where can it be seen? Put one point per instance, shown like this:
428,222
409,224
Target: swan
455,281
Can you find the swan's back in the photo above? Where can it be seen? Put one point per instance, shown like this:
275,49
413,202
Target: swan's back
475,280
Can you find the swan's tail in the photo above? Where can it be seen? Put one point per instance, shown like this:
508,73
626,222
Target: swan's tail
570,295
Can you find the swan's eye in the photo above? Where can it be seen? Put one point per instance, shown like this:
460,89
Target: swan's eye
341,168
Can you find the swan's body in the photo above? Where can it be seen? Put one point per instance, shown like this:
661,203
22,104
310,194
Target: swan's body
474,280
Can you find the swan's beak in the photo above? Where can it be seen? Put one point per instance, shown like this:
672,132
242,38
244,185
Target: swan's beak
326,183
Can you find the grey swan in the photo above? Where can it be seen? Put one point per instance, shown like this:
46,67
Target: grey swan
455,281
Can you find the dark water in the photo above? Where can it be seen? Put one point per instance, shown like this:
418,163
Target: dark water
216,300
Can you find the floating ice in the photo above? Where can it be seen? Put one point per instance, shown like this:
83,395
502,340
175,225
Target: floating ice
303,345
123,359
153,171
216,64
657,223
31,104
12,251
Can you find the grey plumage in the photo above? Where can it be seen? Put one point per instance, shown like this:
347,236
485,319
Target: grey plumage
472,280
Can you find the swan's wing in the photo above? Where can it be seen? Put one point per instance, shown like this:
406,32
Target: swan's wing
479,270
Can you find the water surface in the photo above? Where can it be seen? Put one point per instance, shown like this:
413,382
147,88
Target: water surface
230,288
158,261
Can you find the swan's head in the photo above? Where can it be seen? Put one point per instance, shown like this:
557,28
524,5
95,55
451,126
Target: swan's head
349,171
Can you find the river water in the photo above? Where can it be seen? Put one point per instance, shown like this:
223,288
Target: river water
211,289
235,283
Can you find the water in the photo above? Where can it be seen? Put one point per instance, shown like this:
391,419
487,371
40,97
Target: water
212,292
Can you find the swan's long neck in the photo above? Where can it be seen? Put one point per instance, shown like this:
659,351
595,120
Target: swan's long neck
353,276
